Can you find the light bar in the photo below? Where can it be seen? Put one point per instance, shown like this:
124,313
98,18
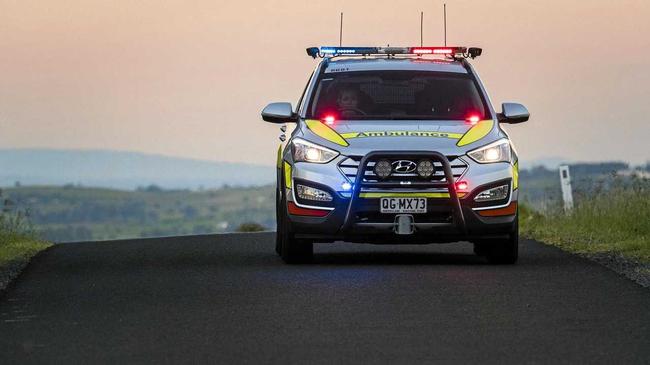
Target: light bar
365,51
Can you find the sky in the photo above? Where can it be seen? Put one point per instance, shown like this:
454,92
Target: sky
189,78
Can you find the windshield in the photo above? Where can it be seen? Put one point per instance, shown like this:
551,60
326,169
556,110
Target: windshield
396,95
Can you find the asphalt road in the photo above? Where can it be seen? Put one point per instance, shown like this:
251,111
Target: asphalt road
229,299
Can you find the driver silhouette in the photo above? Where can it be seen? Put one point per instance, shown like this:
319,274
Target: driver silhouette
348,102
348,99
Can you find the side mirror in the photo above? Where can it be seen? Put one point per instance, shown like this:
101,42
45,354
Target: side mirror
279,113
513,113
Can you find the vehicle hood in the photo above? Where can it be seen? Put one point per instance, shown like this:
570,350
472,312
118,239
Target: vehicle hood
442,136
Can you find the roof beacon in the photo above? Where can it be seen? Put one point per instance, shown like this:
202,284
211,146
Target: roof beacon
455,52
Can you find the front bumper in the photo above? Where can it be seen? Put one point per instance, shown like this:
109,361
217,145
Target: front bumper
448,219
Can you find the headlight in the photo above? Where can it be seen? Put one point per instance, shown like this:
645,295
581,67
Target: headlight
311,152
498,151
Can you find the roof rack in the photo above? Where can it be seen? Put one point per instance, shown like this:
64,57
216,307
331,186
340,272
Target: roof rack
454,52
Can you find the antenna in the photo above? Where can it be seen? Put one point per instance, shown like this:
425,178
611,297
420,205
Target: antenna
421,21
341,32
444,10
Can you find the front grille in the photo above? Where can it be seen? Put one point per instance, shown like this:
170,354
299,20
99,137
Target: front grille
350,166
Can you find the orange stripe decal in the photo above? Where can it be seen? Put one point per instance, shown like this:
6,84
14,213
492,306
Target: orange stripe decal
509,210
296,210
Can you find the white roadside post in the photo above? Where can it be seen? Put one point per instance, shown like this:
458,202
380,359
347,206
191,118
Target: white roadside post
567,193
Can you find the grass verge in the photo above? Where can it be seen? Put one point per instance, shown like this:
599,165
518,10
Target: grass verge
19,248
16,250
18,242
613,222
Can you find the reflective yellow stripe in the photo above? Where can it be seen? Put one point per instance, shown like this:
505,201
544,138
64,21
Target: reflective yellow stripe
326,132
287,175
515,176
401,134
407,195
480,130
279,163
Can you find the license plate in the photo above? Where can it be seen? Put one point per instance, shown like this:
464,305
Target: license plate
403,205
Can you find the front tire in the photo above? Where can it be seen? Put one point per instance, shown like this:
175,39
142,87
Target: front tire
292,250
505,252
278,215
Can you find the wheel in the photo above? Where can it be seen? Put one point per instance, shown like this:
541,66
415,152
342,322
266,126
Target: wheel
292,250
505,252
278,201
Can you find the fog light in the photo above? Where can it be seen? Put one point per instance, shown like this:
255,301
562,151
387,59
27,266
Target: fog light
383,169
498,193
309,193
425,168
346,186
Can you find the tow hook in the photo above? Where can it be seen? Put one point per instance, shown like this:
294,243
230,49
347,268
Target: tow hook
404,224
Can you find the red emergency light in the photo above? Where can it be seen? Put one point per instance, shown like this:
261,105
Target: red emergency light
329,119
473,119
433,50
461,186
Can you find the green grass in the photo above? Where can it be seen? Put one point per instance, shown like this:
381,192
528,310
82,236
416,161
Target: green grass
19,248
18,243
616,221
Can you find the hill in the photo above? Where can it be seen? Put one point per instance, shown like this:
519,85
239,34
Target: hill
124,170
74,213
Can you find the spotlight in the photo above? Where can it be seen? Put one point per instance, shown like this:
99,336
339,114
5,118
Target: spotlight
383,169
425,168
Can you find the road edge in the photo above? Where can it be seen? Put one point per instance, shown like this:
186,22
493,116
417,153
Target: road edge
631,269
12,270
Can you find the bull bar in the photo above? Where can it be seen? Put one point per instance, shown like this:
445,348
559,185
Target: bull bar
450,184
